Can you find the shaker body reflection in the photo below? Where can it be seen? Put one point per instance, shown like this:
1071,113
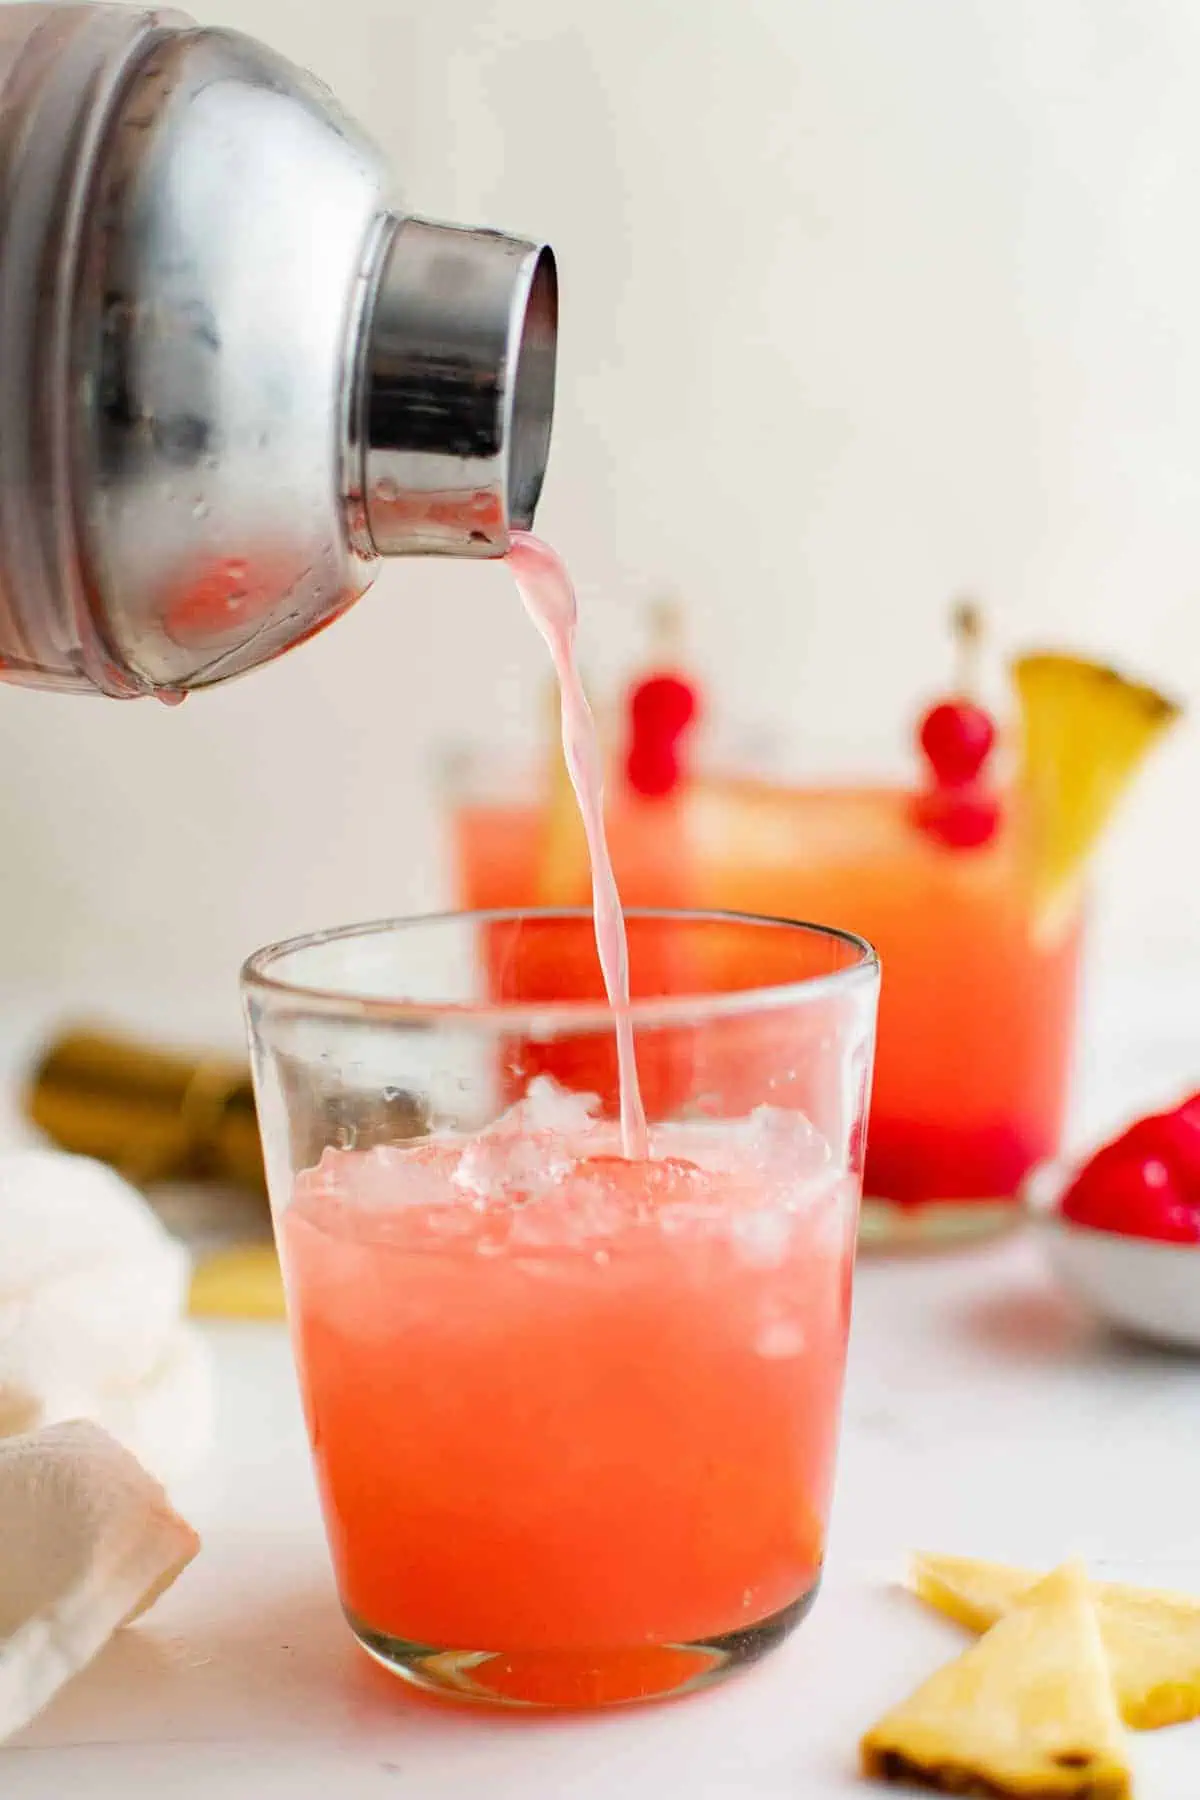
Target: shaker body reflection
232,376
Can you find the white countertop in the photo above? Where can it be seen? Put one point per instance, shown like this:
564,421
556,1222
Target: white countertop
982,1415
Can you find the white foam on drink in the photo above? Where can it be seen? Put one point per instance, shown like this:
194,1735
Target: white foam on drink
549,599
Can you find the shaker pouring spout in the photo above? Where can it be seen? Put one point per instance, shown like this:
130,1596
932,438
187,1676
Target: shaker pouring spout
456,390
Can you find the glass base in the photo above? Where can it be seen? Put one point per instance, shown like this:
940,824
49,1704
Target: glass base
574,1679
935,1225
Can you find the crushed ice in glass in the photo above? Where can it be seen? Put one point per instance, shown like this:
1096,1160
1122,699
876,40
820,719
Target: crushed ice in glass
549,1174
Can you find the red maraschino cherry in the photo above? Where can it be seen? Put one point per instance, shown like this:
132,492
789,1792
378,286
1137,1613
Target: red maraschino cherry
1146,1183
1134,1196
662,708
962,819
653,770
957,737
662,704
1189,1110
1175,1137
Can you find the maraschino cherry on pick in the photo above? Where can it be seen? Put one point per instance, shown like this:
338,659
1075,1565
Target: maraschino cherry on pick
957,737
663,706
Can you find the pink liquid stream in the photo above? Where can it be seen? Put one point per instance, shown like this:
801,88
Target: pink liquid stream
549,599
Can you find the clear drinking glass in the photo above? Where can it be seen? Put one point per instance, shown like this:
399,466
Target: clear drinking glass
573,1417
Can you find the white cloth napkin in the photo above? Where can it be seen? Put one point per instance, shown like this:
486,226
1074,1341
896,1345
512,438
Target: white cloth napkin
88,1540
93,1296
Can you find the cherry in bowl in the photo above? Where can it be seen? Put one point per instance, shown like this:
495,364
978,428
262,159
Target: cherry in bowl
1122,1230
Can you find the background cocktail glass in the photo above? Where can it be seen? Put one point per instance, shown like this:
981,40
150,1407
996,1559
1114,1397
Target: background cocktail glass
978,1010
573,1418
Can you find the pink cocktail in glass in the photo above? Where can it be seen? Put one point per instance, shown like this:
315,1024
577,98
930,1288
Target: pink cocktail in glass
573,1415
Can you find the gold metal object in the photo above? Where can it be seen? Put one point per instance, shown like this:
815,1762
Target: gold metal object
154,1115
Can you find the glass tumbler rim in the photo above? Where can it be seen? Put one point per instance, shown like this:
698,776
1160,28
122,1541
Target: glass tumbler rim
259,979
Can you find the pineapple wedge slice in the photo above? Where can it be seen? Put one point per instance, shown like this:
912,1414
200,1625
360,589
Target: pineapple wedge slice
1086,731
1026,1711
1151,1639
240,1283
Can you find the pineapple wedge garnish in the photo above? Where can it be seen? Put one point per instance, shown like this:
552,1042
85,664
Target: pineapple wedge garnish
240,1283
1086,731
1027,1711
1151,1639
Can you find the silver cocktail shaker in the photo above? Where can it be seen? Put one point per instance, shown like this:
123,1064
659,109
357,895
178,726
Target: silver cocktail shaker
232,374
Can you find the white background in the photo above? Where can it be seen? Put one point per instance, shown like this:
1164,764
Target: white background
864,302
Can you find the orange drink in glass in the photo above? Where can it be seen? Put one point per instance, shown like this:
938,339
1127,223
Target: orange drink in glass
970,885
978,1004
573,1416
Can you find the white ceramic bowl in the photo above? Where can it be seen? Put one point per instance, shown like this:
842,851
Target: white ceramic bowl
1144,1287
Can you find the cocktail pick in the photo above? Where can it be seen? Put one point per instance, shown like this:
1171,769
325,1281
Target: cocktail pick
957,736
